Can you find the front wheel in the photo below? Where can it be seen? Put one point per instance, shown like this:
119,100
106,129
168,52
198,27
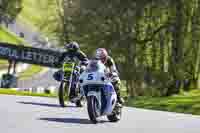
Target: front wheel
63,94
116,115
93,109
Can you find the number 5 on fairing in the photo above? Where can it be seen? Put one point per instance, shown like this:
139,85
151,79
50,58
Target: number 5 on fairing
90,76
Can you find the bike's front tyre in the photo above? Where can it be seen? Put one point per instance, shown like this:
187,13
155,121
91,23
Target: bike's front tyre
62,94
92,107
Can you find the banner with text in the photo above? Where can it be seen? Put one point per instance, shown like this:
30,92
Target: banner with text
30,55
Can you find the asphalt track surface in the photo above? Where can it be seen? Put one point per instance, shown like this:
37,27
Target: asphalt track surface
23,114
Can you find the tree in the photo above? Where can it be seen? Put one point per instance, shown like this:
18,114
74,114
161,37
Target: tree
9,9
155,43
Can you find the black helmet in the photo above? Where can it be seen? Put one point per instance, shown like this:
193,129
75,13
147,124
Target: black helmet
72,46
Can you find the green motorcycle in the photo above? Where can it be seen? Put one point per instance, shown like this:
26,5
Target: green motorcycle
69,88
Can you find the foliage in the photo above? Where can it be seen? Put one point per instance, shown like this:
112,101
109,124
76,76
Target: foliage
155,43
9,9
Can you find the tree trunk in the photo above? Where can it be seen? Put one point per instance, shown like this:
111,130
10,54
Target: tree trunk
162,52
177,46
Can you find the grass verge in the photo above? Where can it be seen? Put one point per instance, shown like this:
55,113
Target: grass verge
24,93
29,72
187,102
8,37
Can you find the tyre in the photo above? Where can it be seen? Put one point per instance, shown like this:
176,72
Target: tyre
93,109
79,103
116,115
63,94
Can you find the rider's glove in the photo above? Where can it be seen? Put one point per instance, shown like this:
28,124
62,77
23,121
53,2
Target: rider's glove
109,75
82,68
84,63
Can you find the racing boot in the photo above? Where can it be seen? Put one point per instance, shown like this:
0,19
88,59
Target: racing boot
72,95
120,100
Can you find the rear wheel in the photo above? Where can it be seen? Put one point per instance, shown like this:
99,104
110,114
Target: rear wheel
79,103
63,94
93,108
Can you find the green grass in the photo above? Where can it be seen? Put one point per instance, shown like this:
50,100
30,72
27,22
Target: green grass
187,102
33,69
24,93
8,37
33,12
3,64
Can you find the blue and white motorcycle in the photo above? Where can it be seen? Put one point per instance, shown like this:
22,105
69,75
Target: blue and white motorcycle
99,92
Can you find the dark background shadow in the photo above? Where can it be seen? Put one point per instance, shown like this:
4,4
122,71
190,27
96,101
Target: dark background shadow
44,104
71,120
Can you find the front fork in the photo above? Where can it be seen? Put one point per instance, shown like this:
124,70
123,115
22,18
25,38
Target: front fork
69,80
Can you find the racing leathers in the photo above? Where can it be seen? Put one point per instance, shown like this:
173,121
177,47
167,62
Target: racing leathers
78,55
113,73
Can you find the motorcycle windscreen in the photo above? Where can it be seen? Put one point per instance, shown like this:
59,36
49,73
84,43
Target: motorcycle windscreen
94,66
